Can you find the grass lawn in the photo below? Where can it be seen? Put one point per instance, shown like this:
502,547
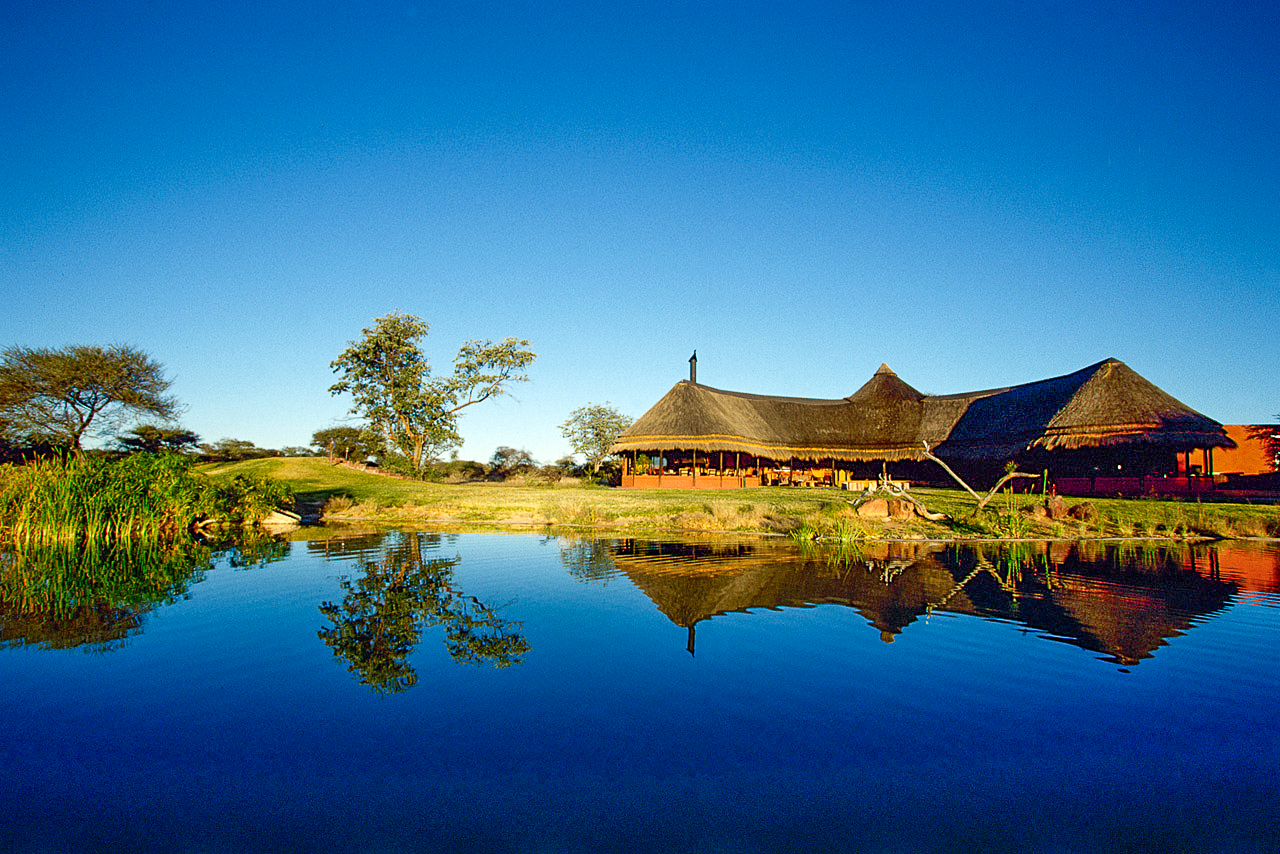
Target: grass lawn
355,496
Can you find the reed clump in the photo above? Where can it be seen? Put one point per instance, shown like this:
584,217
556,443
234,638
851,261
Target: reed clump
137,498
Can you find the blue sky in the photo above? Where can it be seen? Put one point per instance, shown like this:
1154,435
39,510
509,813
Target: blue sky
978,194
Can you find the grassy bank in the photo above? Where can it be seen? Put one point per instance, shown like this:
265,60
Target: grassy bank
354,496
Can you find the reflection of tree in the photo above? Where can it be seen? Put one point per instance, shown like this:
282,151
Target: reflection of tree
64,597
588,559
384,612
248,548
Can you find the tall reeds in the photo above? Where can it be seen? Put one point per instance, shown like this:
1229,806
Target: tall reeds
138,498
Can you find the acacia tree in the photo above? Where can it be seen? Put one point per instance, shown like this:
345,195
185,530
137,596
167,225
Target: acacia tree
390,380
154,438
592,431
230,450
345,442
60,394
507,460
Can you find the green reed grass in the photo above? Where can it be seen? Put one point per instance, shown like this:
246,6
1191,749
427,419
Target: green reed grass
137,498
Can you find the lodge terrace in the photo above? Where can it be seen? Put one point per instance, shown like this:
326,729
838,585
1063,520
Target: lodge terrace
1103,429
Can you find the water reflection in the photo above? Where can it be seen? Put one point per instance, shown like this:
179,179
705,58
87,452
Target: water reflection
1124,601
61,598
97,596
588,559
386,608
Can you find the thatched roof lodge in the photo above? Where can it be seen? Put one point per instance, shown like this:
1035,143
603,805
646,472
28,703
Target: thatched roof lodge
1102,421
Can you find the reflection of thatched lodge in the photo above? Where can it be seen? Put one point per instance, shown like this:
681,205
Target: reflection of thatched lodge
1100,429
1123,603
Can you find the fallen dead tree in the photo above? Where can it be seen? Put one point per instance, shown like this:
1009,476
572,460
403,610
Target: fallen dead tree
1010,474
886,487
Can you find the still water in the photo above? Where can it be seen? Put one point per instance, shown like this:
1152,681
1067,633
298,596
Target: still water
414,691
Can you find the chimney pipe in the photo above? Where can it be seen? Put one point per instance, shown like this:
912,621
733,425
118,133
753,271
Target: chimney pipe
693,367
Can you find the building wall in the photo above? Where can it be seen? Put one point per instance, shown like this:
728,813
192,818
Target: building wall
1249,457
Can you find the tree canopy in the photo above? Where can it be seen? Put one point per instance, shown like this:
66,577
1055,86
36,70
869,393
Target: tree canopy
154,438
346,442
228,450
59,395
507,460
390,380
592,430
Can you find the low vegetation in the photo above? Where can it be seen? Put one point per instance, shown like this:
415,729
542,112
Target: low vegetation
345,494
137,498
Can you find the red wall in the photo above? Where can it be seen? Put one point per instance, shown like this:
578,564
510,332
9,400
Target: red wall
1250,457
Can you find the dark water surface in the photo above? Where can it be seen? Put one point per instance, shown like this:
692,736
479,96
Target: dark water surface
492,692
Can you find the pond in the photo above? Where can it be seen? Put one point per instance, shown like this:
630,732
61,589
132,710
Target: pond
403,691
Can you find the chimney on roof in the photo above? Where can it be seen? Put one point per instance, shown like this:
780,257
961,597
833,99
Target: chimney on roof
693,367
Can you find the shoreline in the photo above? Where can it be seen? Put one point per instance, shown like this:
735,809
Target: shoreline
391,520
343,495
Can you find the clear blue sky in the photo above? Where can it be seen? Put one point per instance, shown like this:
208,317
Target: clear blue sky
979,194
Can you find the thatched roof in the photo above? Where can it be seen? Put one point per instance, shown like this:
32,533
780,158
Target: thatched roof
1101,405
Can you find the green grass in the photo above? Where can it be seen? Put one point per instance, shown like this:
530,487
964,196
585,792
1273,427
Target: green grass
825,514
137,498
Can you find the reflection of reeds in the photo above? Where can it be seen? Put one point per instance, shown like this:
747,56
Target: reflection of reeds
67,595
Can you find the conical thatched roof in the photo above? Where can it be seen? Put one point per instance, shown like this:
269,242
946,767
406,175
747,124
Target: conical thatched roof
885,415
1104,404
